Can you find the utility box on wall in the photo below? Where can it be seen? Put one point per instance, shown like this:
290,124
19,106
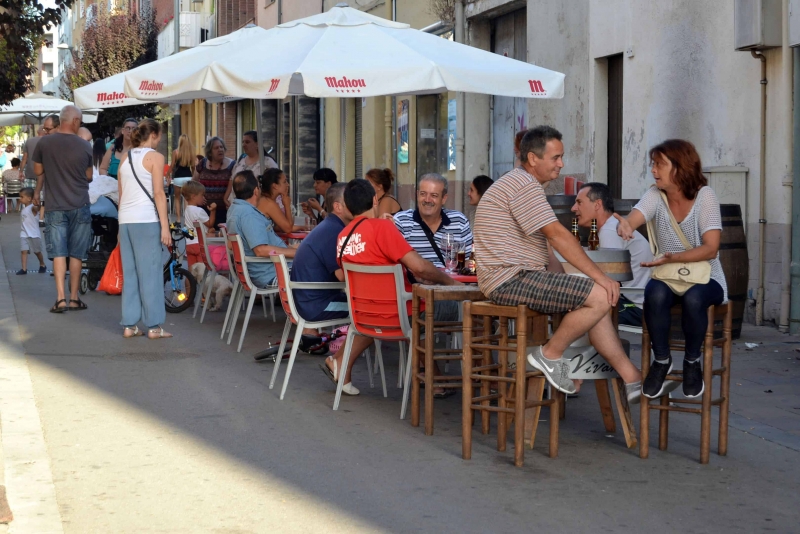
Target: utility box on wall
757,24
794,22
730,186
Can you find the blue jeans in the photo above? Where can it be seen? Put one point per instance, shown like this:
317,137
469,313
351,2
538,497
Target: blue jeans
68,233
659,298
143,274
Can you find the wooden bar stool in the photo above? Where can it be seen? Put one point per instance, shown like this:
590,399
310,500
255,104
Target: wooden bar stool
528,324
666,404
423,351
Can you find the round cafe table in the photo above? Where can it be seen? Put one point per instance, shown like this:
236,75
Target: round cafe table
464,278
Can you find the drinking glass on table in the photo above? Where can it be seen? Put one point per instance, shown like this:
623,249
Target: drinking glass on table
447,245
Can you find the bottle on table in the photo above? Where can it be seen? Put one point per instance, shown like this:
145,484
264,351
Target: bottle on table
575,230
594,241
461,258
470,266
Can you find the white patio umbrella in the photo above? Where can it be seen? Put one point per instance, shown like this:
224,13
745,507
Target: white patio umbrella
16,119
343,52
110,93
33,108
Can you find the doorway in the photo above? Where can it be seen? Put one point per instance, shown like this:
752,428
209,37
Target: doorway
509,115
615,125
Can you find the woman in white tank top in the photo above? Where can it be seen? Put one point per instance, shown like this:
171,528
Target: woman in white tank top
143,228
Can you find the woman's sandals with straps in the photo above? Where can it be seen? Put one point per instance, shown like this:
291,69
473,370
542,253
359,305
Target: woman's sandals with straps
131,331
157,333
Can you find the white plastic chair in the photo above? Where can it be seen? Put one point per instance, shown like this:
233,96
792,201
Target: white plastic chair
286,294
207,281
240,267
377,300
228,324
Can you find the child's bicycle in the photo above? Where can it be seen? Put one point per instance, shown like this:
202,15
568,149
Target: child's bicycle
180,287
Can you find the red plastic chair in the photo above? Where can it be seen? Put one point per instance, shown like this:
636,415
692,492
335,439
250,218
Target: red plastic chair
377,300
285,292
240,263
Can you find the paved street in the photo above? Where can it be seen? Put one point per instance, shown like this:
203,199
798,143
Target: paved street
184,435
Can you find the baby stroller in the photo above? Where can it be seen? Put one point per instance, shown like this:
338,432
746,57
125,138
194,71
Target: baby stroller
104,240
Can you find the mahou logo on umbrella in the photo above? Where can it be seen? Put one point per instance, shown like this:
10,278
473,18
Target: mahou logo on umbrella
273,85
150,87
111,98
536,87
345,84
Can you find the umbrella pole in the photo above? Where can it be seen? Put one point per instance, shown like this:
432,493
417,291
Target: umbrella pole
342,137
260,128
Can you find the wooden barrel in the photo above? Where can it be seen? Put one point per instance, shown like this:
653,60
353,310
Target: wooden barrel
616,263
735,262
736,266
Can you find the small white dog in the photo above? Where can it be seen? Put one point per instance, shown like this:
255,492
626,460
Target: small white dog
221,286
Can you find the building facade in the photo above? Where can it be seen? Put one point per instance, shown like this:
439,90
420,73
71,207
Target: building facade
638,73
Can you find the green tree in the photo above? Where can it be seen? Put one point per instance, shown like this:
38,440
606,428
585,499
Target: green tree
112,43
22,27
8,133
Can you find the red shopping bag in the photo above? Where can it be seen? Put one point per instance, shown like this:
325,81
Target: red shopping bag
111,282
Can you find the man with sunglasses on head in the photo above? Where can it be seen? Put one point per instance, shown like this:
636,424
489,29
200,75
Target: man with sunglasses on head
50,124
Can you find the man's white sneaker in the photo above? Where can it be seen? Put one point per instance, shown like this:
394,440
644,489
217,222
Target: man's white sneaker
556,371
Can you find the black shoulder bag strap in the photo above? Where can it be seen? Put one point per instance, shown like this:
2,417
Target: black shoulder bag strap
146,192
347,239
429,235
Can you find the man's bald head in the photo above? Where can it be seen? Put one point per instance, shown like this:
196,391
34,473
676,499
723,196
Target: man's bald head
70,118
85,134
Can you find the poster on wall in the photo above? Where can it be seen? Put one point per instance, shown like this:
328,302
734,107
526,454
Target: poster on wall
451,134
402,131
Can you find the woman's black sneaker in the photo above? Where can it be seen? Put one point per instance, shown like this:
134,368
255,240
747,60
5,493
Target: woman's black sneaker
693,379
654,384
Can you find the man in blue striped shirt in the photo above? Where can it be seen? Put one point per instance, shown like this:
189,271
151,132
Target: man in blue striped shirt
425,226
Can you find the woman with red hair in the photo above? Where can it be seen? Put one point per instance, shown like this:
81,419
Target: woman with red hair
680,191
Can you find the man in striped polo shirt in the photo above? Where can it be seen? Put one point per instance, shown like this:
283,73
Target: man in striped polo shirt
425,226
514,228
423,229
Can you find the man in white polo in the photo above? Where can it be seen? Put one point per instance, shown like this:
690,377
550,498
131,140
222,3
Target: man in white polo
594,201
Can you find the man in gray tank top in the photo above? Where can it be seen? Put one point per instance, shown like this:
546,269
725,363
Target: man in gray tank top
62,162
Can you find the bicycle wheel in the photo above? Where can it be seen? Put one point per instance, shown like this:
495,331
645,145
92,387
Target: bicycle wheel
182,297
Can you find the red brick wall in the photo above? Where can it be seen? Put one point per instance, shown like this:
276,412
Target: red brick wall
165,9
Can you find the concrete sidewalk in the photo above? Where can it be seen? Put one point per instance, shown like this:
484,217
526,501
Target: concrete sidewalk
184,435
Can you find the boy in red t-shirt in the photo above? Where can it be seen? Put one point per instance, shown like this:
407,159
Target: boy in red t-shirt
375,242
